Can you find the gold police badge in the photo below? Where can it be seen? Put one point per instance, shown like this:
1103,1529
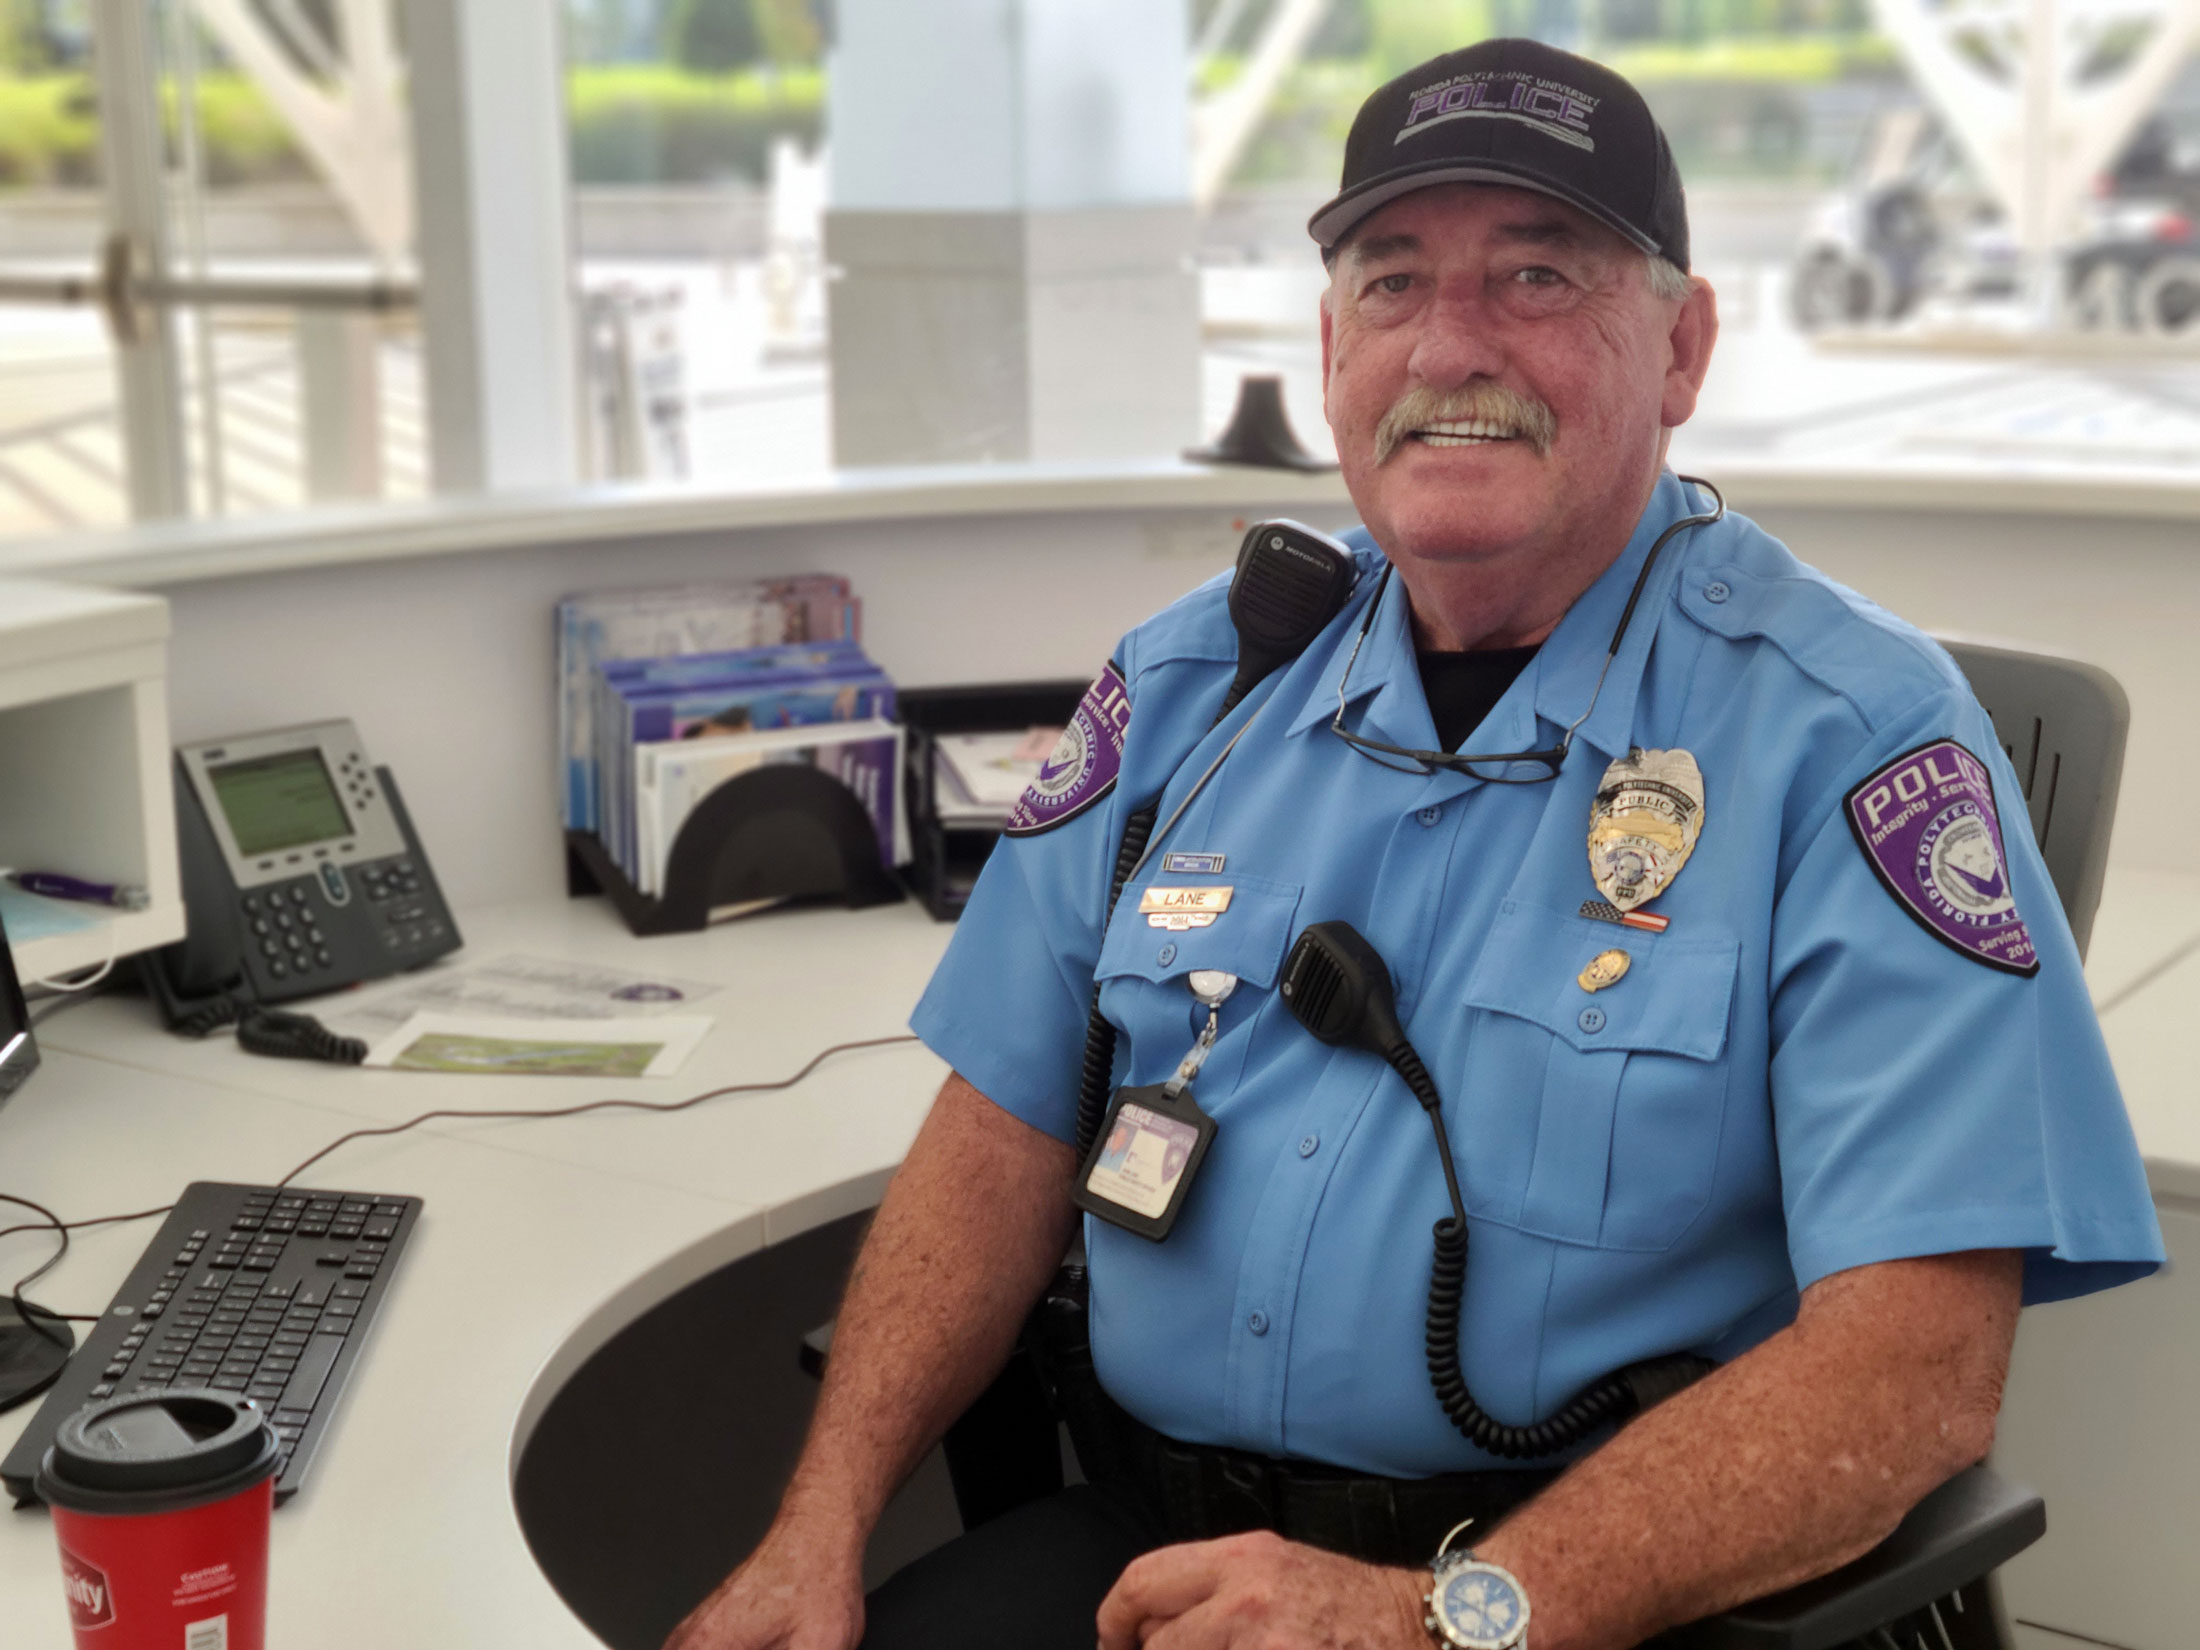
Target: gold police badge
1644,824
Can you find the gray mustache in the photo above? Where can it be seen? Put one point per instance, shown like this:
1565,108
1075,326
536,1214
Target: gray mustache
1491,403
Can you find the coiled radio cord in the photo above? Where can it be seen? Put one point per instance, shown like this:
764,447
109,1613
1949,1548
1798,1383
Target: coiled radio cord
1340,990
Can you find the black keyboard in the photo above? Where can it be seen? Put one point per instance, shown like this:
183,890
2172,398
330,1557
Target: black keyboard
247,1289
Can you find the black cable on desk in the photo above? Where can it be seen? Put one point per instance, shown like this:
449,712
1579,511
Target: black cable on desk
54,1223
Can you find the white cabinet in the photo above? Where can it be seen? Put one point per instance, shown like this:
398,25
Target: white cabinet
85,785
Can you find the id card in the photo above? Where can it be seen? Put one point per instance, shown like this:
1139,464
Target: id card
1145,1160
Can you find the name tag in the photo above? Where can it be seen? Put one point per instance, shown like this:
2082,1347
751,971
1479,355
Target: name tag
1142,1166
1181,908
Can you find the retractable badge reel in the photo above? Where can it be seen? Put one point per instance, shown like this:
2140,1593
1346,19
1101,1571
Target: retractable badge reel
1155,1137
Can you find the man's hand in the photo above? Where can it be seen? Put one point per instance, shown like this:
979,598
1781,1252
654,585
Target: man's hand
1261,1592
792,1593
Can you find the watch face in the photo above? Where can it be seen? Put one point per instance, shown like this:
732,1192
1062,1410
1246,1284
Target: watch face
1481,1607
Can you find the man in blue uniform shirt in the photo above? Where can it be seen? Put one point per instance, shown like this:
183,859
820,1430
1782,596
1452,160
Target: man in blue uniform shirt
1758,1030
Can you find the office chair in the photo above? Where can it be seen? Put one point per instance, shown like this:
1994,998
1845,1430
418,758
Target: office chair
1929,1585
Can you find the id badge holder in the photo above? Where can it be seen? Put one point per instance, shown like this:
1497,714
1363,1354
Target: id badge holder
1155,1137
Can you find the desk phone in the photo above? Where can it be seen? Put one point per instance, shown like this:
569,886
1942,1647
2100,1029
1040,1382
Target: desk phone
301,869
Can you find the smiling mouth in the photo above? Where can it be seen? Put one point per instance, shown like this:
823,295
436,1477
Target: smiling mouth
1473,415
1464,432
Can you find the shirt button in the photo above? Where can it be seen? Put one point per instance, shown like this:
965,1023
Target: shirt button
1429,816
1716,591
1592,1019
1310,1145
1168,954
1258,1323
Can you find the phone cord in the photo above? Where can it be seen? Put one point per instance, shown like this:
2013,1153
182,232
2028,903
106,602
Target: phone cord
1616,1397
288,1036
273,1031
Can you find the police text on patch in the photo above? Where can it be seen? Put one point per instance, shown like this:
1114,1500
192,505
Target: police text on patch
1927,825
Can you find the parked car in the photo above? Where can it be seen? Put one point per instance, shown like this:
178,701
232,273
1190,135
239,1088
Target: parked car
1916,224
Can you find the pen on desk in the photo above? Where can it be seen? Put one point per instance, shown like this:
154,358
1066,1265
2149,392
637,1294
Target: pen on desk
128,896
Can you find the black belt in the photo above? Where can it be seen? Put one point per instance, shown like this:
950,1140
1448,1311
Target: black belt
1196,1492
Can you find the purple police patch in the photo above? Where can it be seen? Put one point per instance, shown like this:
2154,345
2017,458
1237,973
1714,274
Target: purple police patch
1084,763
1926,822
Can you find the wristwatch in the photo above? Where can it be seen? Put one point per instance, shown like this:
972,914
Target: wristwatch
1475,1605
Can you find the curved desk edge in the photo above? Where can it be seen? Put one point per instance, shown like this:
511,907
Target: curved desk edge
659,1283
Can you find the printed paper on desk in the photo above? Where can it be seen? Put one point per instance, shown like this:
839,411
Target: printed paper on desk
520,988
991,771
470,1044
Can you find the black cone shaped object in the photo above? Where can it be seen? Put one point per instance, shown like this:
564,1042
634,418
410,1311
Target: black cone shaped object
1258,432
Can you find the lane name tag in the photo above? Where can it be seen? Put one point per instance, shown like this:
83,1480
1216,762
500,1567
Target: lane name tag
1181,908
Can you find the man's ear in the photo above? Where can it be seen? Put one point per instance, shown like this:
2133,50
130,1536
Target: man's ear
1329,322
1695,331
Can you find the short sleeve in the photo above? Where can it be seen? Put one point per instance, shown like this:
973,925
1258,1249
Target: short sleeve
1007,1006
1008,1003
1939,1081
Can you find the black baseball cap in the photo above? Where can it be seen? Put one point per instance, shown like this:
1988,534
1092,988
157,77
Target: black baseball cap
1522,113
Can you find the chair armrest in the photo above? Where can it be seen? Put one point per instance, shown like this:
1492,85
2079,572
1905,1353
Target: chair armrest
1975,1522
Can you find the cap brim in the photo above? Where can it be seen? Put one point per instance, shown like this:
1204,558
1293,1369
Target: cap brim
1336,220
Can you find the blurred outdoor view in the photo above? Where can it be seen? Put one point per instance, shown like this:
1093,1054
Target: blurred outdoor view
1933,244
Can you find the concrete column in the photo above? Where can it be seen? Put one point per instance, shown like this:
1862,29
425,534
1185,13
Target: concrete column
1011,231
500,345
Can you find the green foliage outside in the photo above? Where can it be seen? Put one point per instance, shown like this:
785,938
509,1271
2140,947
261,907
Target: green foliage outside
1792,60
791,37
645,124
715,37
642,124
1732,101
49,132
25,47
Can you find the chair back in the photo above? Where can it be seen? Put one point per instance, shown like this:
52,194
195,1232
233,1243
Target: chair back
2062,723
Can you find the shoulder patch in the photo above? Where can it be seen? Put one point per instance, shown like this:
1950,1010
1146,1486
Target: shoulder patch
1084,764
1927,824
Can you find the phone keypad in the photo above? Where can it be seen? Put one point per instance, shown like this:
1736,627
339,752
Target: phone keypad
290,923
285,924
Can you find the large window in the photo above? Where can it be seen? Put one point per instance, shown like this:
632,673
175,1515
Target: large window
1887,301
698,164
1931,248
250,347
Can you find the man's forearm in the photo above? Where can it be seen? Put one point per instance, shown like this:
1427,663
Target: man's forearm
970,1229
1795,1458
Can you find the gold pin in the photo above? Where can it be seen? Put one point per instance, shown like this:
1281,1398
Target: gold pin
1605,968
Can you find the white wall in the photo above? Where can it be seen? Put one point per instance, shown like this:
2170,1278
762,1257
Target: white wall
445,662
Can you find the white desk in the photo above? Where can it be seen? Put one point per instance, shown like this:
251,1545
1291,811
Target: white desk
542,1240
538,1241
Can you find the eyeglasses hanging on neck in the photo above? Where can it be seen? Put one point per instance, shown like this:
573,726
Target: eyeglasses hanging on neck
1496,767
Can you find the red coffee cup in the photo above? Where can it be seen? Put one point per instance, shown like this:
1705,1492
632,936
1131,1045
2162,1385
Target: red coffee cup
160,1502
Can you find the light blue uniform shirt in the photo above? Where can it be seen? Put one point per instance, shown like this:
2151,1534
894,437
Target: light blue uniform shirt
1796,1077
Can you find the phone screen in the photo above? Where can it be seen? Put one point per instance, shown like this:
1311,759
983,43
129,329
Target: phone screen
277,802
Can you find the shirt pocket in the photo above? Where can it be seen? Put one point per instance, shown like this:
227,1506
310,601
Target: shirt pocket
1144,991
1604,1108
